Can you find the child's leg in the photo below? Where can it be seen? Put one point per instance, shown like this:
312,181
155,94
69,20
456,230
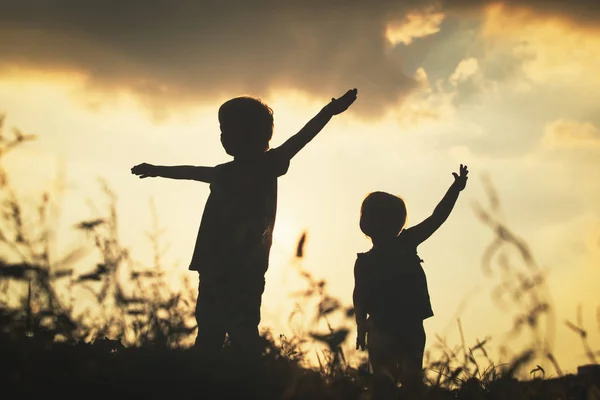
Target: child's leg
244,315
242,327
410,355
210,318
380,345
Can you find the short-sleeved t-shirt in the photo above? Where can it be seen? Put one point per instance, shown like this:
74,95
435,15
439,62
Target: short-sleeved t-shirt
236,230
392,285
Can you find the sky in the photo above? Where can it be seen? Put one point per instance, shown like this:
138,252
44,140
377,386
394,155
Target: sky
509,88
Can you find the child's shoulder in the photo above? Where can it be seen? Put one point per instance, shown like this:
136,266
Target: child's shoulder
363,255
277,161
360,266
362,259
406,238
272,162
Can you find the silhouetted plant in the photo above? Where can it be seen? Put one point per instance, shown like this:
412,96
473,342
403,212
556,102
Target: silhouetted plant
522,288
27,269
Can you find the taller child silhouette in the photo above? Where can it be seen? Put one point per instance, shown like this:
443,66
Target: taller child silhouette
235,236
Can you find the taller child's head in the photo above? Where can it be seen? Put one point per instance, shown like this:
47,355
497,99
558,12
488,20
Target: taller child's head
382,216
246,126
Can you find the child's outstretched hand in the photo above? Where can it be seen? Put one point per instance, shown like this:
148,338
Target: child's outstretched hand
338,106
460,181
144,170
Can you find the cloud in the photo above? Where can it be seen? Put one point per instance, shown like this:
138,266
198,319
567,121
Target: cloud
549,50
182,51
571,134
185,52
415,25
585,12
422,106
464,70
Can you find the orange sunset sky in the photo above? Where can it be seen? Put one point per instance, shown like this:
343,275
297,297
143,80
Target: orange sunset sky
512,89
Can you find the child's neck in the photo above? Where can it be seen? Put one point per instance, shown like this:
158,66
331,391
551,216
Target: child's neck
385,241
248,157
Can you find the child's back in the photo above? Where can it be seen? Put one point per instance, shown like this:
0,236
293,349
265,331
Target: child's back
239,217
395,286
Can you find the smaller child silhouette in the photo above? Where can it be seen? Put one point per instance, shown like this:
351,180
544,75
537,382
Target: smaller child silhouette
391,288
235,235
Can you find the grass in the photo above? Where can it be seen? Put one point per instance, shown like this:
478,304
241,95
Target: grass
31,368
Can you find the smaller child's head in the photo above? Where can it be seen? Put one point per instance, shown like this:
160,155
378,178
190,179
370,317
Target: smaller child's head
382,216
246,126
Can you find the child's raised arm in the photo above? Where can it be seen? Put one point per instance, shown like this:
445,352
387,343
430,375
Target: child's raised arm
294,144
421,232
202,174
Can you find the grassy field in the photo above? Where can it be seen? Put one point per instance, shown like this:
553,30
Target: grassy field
31,368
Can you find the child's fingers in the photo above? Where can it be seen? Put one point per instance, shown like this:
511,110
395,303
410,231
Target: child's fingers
351,94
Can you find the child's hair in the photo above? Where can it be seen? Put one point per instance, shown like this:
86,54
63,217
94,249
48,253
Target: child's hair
382,215
246,125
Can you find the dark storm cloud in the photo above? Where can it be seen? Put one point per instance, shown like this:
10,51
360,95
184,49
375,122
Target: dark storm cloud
186,50
173,51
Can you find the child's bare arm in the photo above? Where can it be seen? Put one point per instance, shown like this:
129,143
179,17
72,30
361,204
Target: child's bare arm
421,232
360,313
202,174
361,319
294,144
359,309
